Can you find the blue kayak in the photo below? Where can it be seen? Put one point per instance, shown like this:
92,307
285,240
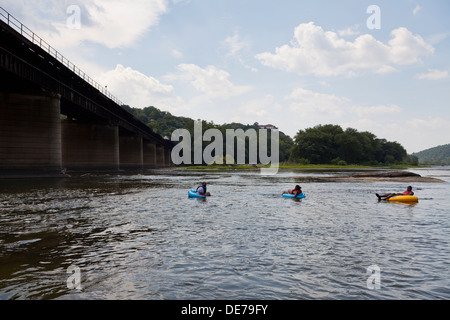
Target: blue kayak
193,194
300,196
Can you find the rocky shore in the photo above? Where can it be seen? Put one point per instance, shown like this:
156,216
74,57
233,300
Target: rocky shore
398,176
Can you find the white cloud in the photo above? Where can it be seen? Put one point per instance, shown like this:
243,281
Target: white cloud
368,111
260,108
138,90
417,9
350,31
433,74
233,45
435,39
319,104
176,53
334,107
406,48
390,121
211,82
314,51
309,108
111,23
426,132
413,134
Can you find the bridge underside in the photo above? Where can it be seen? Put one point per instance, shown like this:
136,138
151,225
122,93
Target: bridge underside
42,133
53,118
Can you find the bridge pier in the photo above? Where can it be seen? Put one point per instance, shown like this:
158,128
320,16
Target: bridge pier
167,157
30,134
37,85
131,152
149,154
34,140
160,156
89,146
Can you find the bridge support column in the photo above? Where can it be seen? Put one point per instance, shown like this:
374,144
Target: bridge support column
149,154
160,162
167,157
131,152
30,134
88,146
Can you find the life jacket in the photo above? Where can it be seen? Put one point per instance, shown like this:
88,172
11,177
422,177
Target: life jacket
408,193
293,190
203,189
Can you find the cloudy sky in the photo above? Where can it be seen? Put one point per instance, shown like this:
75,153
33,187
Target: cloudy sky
291,63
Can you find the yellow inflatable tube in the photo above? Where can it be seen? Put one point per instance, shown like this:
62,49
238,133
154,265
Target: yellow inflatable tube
404,198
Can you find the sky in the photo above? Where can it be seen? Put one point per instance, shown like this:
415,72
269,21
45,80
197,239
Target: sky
377,66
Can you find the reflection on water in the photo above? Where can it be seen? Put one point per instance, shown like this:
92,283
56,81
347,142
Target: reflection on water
141,237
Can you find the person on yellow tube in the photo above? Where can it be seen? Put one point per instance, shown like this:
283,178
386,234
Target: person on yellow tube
386,196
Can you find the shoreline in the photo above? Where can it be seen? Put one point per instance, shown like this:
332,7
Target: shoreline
367,173
360,179
308,166
395,176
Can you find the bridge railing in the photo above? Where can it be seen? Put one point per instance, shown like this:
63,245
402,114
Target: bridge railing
35,39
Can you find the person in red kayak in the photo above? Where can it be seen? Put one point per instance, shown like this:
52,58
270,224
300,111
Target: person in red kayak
386,196
296,191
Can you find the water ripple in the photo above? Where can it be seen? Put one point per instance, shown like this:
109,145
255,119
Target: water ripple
140,237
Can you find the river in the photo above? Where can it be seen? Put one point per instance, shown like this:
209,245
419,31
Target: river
141,237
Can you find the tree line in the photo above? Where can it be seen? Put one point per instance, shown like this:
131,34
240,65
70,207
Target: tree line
331,144
322,144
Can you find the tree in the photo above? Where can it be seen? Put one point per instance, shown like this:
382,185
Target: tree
164,123
325,144
316,144
349,147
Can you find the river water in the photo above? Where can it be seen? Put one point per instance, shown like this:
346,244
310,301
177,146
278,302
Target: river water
140,237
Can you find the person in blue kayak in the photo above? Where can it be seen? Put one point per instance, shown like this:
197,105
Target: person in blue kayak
201,189
296,191
386,196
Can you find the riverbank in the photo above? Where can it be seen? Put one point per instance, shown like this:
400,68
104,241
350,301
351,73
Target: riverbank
369,173
290,166
396,176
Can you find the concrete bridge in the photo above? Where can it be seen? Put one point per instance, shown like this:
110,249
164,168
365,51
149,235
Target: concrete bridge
54,117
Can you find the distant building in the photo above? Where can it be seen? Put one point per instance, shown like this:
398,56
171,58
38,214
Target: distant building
266,126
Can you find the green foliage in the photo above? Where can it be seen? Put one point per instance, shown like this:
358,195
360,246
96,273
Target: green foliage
439,155
164,123
323,144
330,144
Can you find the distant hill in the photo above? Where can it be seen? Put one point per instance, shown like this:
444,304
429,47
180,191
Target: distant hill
439,155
